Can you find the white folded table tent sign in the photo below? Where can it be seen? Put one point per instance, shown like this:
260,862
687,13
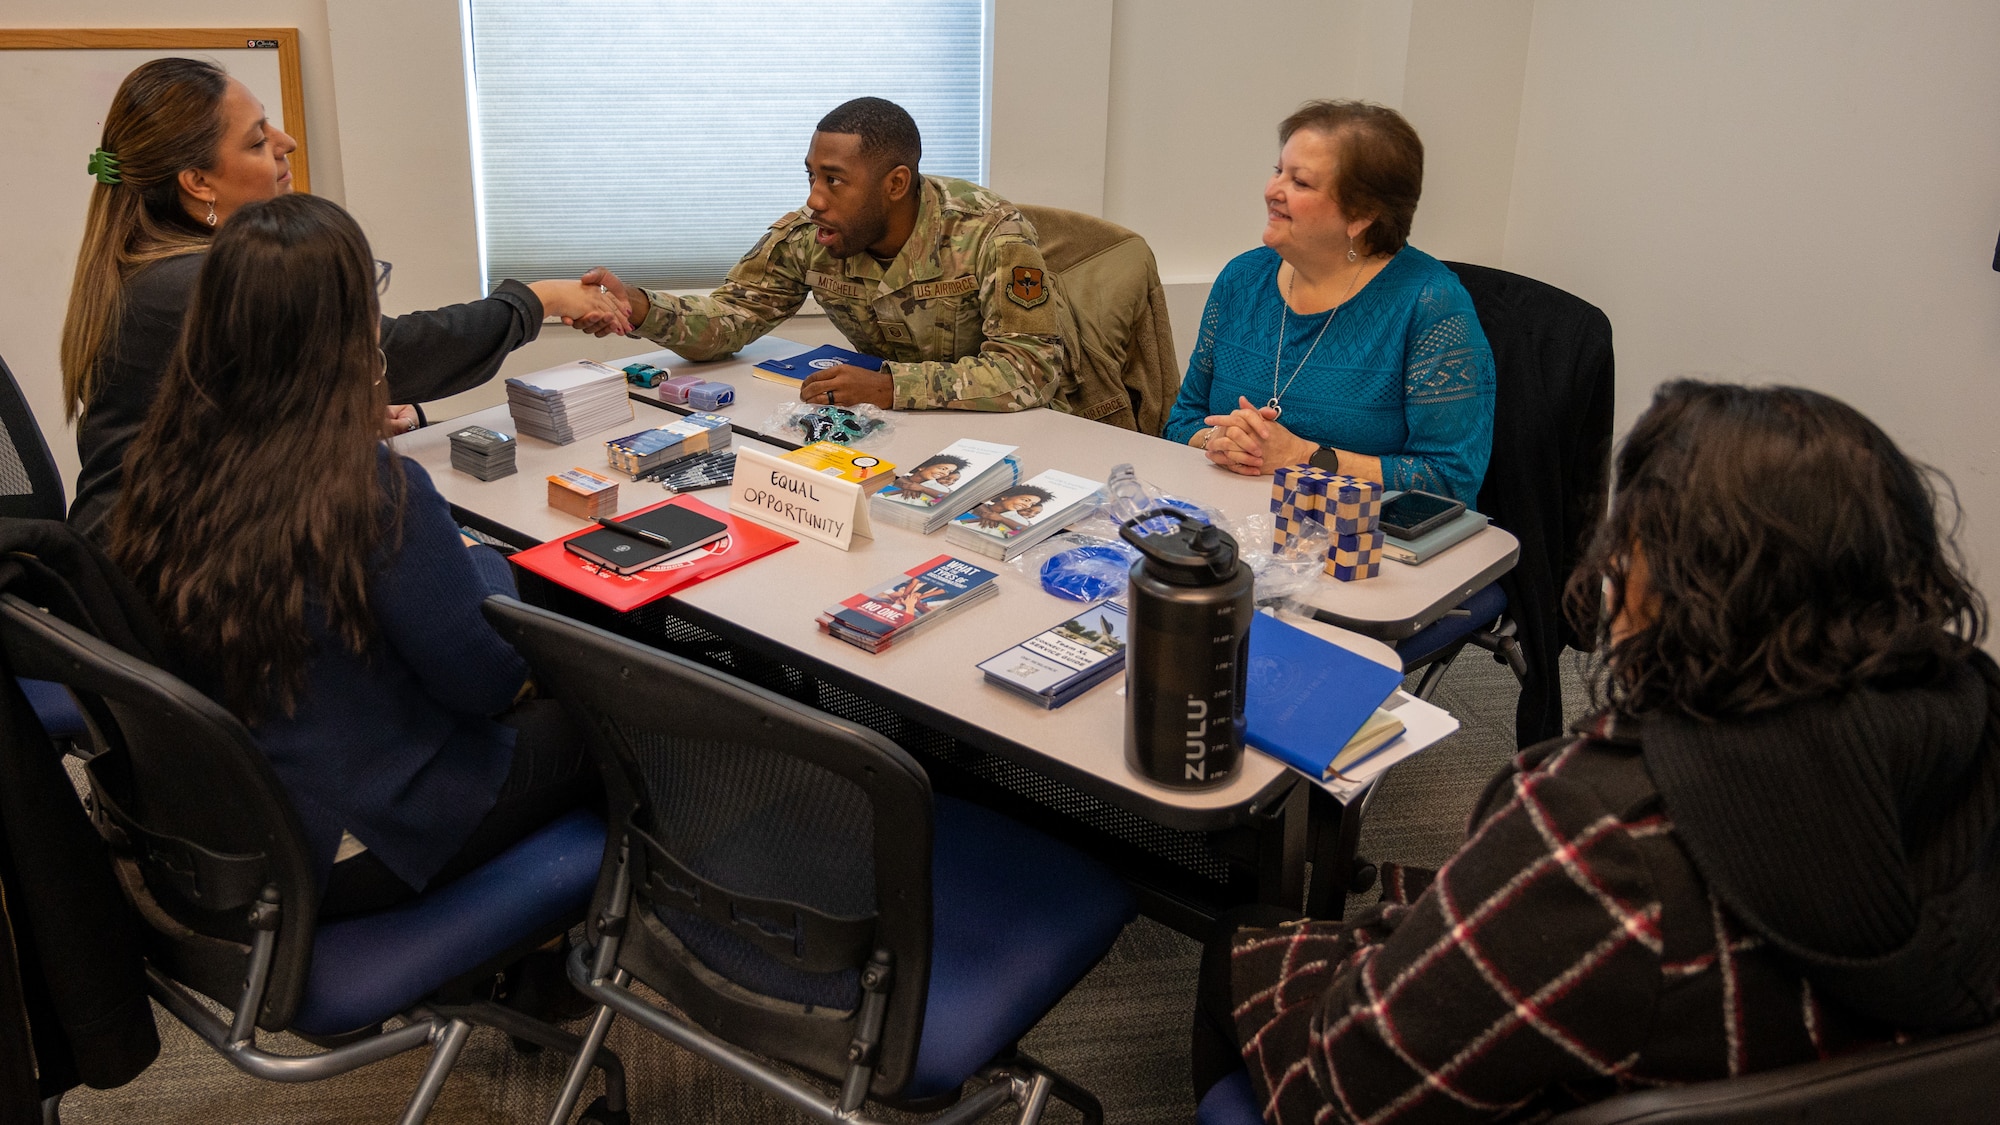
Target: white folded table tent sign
797,499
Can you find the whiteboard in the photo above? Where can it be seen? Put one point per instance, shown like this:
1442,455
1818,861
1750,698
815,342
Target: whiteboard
56,97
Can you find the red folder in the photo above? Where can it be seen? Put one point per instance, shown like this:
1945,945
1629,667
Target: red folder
747,540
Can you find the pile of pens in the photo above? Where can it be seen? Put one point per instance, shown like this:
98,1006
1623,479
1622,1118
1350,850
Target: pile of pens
696,471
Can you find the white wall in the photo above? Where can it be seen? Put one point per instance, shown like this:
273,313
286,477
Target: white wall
1802,192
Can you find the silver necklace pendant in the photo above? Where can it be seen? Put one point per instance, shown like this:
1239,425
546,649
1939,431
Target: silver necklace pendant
1276,410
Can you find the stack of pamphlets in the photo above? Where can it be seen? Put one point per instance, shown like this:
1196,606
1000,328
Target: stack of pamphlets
696,472
563,402
845,462
915,599
1022,515
1057,665
639,454
486,454
945,485
583,494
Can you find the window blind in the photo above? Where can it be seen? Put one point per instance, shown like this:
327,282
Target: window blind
660,139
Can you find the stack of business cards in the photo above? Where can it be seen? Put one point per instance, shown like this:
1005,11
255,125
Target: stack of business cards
641,453
486,454
564,402
1056,665
945,484
1022,515
916,599
583,494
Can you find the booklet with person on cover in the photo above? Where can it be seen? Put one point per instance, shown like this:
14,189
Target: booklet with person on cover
946,483
1022,515
915,599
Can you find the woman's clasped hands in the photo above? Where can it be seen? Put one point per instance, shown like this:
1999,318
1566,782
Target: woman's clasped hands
1250,440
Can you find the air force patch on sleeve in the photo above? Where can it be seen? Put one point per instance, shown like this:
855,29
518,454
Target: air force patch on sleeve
1026,288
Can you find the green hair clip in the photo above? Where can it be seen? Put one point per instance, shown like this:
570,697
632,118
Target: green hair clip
103,165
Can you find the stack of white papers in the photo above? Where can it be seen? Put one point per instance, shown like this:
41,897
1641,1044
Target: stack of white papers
564,402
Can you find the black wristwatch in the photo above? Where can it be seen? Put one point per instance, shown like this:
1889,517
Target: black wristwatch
1326,458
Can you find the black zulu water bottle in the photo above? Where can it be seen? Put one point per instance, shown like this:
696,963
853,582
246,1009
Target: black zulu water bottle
1190,606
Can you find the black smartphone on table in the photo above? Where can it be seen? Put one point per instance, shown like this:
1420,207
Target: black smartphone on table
1416,513
648,539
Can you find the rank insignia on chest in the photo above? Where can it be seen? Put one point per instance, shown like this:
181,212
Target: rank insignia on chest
895,331
1026,289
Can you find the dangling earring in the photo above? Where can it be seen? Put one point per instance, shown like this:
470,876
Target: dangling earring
211,221
385,365
1351,255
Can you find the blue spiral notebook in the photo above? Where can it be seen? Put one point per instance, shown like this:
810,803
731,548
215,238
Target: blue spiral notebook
795,368
1306,697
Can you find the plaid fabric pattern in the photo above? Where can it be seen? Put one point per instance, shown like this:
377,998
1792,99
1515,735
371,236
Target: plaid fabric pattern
1567,952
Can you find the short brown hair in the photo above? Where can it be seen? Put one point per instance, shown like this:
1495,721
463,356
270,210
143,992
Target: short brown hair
1381,170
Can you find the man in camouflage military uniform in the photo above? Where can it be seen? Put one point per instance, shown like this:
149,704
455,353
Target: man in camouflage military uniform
940,277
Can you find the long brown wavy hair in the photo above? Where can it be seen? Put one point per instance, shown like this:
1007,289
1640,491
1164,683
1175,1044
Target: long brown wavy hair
255,496
1791,551
165,118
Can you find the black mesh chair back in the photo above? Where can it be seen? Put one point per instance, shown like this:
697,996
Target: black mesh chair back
179,784
775,852
30,487
1550,470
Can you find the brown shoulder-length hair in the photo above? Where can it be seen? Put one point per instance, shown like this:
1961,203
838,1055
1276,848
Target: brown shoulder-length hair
1790,550
165,118
255,495
1380,173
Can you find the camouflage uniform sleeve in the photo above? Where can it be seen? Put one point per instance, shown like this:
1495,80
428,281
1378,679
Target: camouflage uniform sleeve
1021,362
764,288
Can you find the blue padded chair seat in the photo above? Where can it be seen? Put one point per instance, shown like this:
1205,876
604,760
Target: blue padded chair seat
55,707
366,969
1231,1101
1483,608
1017,919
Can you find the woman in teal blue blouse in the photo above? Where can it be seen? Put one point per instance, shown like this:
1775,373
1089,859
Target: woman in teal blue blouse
1338,343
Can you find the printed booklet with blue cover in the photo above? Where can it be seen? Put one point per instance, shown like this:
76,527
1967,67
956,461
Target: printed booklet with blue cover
919,597
793,370
1307,698
1056,665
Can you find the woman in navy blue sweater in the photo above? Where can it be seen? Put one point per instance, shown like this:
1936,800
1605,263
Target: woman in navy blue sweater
316,584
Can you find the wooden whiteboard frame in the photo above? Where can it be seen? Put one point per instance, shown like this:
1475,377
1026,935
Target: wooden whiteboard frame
292,91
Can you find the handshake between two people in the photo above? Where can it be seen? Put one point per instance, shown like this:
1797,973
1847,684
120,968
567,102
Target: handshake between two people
600,304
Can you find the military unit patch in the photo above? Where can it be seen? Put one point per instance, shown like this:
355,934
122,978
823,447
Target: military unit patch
1026,288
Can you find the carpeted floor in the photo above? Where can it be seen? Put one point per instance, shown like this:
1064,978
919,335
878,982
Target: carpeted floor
1122,1033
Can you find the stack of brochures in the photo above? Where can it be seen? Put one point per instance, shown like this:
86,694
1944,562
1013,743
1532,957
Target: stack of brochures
945,484
1056,665
916,599
583,494
486,454
563,402
641,453
1022,515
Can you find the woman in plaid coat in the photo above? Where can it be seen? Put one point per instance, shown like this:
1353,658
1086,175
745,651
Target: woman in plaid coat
1772,845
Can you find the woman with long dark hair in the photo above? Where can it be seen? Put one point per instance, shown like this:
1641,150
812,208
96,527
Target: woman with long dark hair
315,583
1774,842
184,145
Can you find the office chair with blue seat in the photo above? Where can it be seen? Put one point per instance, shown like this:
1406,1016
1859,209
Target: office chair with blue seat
789,883
215,863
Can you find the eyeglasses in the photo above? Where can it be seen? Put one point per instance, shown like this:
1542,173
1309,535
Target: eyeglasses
382,269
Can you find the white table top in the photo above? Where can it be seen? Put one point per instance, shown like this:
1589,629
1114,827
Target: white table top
777,599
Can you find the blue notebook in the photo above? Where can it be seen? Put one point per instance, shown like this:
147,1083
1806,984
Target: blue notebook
1307,697
794,369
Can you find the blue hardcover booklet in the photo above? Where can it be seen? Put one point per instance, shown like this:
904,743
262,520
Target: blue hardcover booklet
1306,697
794,369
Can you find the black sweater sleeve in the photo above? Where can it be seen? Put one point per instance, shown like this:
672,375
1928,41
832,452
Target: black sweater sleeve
444,351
